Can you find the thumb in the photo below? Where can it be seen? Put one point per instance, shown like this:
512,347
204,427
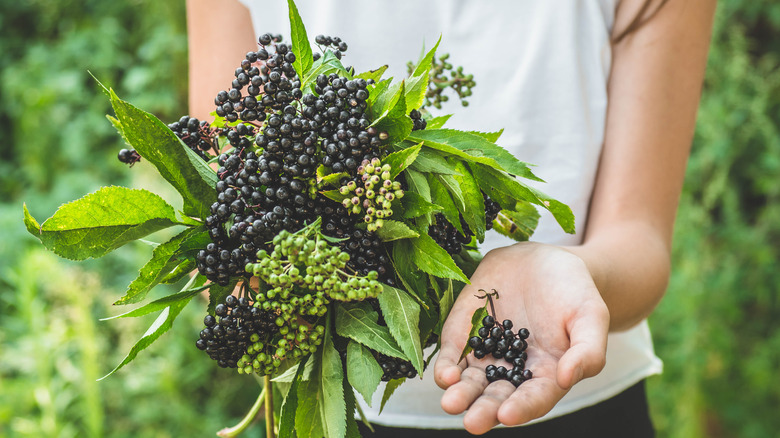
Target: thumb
454,335
586,355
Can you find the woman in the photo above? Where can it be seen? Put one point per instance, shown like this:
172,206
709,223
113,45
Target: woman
602,95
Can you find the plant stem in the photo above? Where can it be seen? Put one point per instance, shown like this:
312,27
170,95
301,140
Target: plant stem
230,432
269,407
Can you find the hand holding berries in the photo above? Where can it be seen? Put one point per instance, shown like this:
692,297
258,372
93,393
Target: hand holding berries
554,297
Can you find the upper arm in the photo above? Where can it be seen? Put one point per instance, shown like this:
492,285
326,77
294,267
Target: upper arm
653,90
219,33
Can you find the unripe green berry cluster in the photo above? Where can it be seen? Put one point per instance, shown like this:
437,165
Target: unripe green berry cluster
372,193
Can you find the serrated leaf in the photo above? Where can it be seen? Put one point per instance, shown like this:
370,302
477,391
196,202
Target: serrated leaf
326,65
395,120
332,179
161,325
103,221
489,136
474,212
418,184
490,180
161,263
160,304
359,323
400,160
409,274
300,42
33,227
475,148
363,372
441,196
308,421
180,271
425,63
335,195
434,260
289,374
375,93
376,75
332,404
445,305
518,225
175,162
416,88
383,97
395,230
402,315
290,403
414,205
193,243
476,323
390,388
351,403
437,122
455,190
430,161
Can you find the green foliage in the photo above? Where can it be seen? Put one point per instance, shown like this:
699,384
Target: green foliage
716,329
402,314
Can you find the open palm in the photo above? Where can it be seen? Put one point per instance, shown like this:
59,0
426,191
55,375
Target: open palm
548,290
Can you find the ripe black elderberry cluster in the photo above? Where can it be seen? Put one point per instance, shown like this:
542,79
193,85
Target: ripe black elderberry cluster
128,156
418,122
395,368
196,134
498,340
449,238
240,325
368,253
335,43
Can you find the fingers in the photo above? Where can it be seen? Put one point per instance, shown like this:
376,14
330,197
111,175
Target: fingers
447,369
586,355
483,413
533,399
462,394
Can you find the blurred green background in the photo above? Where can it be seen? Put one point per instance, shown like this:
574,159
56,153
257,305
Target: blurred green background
716,329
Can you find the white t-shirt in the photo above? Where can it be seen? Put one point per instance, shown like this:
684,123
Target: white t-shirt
541,68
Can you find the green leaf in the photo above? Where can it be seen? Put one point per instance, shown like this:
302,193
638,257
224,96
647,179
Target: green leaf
162,303
161,263
418,184
332,179
402,315
395,120
414,205
441,196
103,221
409,274
175,162
335,195
519,224
351,403
363,372
180,271
390,388
425,63
475,148
395,230
326,65
332,404
416,88
489,136
490,179
290,404
383,97
437,122
289,374
474,211
33,227
429,160
434,260
400,160
359,323
454,189
161,325
476,323
308,421
218,293
445,305
300,42
376,75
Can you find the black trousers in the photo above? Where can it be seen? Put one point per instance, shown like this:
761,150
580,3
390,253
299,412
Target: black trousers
625,415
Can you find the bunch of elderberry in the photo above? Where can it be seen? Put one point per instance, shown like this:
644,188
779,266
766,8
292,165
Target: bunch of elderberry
368,253
452,240
240,326
338,47
373,193
418,122
394,368
497,339
196,134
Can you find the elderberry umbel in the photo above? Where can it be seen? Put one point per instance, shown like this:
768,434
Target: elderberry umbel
452,240
196,134
497,339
